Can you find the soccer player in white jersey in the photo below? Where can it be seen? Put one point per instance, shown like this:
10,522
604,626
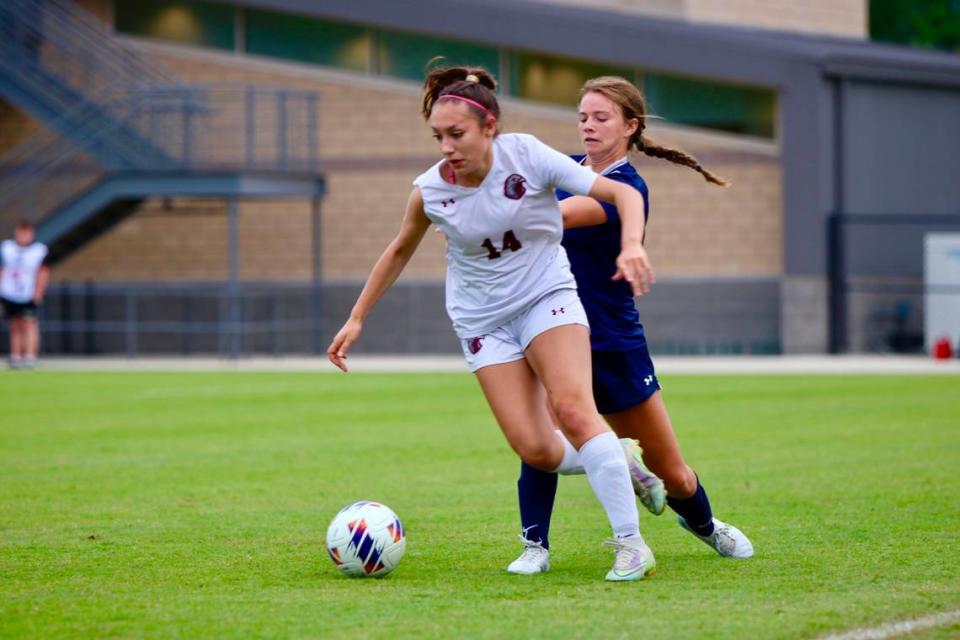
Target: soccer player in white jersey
510,293
23,281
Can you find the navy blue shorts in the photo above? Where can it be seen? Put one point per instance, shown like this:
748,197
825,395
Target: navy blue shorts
623,379
13,309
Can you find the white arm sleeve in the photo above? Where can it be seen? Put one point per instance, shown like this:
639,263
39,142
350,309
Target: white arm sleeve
560,170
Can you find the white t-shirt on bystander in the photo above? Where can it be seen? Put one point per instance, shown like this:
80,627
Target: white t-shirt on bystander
20,268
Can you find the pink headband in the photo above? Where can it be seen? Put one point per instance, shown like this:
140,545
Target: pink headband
450,96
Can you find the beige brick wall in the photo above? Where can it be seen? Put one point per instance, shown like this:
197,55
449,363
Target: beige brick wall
834,17
374,144
15,126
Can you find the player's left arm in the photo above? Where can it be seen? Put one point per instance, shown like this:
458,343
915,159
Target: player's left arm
633,264
43,278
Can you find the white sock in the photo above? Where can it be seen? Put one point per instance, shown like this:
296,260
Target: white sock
570,465
602,457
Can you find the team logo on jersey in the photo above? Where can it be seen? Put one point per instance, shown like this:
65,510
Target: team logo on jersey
475,344
513,186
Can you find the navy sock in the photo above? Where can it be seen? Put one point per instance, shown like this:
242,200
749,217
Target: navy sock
695,510
536,490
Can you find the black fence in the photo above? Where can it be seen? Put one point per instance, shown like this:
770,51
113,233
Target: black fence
275,318
877,289
682,316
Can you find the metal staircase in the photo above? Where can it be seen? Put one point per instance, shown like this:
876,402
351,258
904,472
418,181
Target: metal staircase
117,129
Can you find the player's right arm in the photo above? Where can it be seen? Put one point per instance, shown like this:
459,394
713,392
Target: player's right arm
385,272
581,211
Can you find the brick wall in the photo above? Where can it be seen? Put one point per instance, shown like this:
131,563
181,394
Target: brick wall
15,126
834,17
374,143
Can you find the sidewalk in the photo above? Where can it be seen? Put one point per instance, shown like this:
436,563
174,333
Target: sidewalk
719,365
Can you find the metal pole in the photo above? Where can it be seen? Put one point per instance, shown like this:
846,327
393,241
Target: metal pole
131,324
836,266
311,131
316,301
282,129
233,283
250,138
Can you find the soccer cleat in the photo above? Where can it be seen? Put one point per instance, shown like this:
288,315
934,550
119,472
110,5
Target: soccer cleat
647,486
633,561
534,559
726,539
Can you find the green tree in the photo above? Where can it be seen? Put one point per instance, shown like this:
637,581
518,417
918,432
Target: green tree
919,23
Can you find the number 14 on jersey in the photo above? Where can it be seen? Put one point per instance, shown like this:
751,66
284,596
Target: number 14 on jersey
510,243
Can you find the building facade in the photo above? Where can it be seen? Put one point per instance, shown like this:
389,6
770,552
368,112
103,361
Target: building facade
741,270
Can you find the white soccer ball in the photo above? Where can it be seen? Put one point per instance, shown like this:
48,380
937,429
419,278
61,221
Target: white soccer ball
366,539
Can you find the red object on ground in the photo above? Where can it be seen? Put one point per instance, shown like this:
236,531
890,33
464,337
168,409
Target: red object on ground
942,349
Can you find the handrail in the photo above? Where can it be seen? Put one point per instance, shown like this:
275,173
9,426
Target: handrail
116,112
194,128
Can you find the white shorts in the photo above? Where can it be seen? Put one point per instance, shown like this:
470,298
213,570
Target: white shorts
507,343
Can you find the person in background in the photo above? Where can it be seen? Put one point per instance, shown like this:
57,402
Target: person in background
24,275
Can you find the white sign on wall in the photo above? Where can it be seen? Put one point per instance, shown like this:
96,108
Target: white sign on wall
941,274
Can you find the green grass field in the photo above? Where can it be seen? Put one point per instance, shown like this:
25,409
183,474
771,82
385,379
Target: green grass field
195,505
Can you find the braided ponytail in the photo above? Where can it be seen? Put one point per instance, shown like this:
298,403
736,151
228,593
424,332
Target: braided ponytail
625,95
650,148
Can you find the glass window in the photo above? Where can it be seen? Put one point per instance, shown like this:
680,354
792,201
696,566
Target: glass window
284,35
204,23
404,55
745,110
554,79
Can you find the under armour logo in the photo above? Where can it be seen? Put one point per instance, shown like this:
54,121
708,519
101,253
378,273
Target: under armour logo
648,380
446,202
556,311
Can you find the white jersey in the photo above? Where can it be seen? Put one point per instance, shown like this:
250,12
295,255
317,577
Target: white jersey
20,268
503,237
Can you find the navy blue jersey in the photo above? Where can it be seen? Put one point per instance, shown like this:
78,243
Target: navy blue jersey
614,320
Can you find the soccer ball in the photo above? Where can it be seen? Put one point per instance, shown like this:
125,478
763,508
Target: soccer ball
366,539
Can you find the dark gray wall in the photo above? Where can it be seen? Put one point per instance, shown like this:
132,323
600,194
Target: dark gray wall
901,149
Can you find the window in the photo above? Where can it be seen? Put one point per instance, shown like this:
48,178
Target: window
203,23
731,108
553,79
404,55
295,37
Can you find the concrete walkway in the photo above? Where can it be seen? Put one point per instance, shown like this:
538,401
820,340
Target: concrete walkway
722,365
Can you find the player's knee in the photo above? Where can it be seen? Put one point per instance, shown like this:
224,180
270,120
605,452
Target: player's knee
536,454
577,417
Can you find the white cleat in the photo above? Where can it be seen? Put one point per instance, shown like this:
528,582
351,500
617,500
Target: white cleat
648,487
634,560
534,559
726,539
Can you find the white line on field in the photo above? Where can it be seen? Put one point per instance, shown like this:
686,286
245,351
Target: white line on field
896,629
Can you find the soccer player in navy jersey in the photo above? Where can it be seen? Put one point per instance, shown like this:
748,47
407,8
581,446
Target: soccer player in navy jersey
612,115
